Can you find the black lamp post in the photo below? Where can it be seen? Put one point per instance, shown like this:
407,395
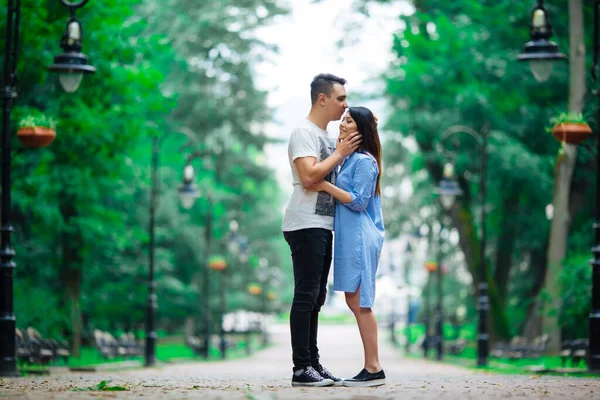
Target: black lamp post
152,301
247,269
408,252
540,52
233,247
428,341
447,189
72,63
188,193
483,302
392,317
594,317
263,277
8,360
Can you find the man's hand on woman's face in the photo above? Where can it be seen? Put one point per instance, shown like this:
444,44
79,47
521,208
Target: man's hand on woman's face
349,144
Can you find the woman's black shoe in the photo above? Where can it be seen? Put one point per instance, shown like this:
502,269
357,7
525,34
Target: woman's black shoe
365,379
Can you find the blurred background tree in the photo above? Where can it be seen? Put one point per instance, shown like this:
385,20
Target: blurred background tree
82,204
456,64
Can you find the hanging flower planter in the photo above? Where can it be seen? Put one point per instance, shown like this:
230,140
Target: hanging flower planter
431,266
36,131
35,137
217,263
571,132
570,128
254,289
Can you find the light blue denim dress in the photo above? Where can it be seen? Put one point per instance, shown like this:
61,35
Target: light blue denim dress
359,229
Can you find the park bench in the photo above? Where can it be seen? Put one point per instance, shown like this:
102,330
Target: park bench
32,348
519,348
455,346
238,325
246,323
110,347
574,351
196,344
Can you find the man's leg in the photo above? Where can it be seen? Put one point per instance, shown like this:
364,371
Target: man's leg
308,247
314,320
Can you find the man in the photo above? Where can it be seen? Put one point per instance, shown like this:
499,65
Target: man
308,222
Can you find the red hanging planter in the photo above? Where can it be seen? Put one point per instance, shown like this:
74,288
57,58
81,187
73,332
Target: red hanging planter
35,137
571,132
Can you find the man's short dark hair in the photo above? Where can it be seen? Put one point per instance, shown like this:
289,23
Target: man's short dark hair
323,83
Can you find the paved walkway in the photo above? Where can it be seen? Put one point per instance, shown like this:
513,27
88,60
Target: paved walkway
266,375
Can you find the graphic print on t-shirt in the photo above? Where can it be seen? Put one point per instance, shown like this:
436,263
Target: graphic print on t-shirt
326,202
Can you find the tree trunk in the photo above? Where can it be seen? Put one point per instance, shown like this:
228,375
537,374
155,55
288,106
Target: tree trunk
506,245
189,327
551,298
532,326
72,270
470,245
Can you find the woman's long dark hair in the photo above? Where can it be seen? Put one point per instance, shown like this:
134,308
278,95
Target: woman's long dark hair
367,127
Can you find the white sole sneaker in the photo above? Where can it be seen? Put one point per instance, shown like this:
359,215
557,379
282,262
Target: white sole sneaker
374,382
324,382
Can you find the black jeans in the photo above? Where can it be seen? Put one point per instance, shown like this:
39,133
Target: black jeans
311,256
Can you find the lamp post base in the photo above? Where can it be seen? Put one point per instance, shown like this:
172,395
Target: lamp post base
9,369
150,359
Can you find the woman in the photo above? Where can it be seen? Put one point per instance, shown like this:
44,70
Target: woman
359,234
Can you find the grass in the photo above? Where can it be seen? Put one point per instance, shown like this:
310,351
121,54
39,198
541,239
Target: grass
468,358
168,349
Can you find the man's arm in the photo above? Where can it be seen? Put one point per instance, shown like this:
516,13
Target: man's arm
310,171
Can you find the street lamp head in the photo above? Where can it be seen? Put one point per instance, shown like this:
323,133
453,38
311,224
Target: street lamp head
448,188
263,263
540,52
188,192
72,63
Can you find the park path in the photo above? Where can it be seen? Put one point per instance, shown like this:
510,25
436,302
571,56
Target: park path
266,375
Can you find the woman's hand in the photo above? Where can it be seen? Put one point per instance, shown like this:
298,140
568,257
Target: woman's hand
317,187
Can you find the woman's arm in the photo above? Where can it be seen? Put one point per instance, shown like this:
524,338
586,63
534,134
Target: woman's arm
364,177
339,194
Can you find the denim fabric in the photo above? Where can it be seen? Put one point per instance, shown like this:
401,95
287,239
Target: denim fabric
311,256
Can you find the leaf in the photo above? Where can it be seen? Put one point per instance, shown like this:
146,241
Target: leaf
102,386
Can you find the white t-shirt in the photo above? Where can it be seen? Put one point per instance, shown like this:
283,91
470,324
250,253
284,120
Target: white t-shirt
308,209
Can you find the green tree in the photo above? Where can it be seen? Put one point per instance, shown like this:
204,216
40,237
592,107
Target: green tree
456,64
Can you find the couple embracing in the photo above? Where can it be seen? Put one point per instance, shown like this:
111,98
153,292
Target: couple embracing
336,185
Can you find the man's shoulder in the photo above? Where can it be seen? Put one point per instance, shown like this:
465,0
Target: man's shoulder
304,130
306,126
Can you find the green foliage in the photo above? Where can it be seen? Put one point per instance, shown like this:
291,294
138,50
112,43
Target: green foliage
37,119
564,118
102,386
576,279
180,72
568,117
455,64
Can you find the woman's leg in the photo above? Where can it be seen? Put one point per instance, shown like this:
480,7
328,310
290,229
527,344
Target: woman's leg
367,325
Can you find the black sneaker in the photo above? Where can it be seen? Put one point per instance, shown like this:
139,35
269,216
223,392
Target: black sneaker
327,375
365,379
309,377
